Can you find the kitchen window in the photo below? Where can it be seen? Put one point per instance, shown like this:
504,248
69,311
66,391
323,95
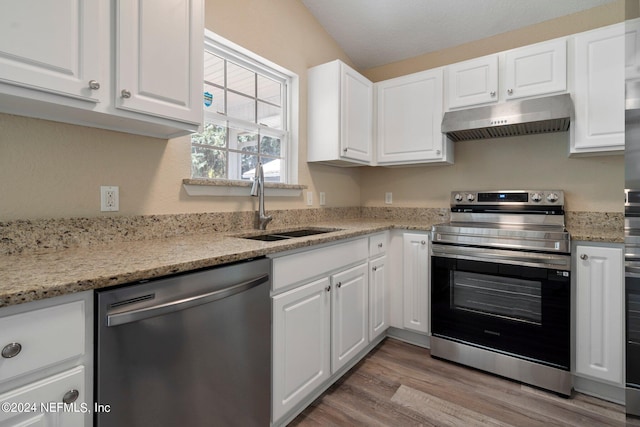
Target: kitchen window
247,117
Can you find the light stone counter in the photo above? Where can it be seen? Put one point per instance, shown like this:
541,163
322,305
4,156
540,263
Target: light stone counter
56,257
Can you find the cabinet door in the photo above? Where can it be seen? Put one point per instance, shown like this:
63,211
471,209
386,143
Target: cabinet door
52,46
632,49
409,118
349,308
378,298
301,343
536,70
159,58
416,282
472,82
44,401
356,104
599,313
599,90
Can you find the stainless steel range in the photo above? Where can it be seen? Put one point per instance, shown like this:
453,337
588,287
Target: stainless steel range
501,286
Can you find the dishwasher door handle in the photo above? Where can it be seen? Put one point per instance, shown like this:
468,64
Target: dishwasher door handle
183,304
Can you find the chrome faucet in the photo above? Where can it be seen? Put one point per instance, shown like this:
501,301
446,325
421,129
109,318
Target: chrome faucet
257,190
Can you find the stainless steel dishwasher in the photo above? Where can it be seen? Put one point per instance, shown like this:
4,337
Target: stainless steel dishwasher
186,350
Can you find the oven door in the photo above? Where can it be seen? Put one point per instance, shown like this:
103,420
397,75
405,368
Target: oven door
632,303
513,302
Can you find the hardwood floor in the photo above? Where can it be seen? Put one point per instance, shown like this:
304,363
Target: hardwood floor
399,384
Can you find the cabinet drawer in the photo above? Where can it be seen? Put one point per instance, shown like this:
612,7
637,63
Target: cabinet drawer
377,244
302,266
46,336
39,403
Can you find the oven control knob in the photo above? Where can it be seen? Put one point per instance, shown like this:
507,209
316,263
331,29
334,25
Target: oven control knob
552,197
471,197
536,197
457,197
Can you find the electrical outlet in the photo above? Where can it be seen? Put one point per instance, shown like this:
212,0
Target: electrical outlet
309,198
323,199
109,199
388,198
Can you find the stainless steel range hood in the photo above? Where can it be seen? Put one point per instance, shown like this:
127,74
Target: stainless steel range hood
511,118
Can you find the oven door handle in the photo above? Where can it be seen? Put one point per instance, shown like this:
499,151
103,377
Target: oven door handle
562,262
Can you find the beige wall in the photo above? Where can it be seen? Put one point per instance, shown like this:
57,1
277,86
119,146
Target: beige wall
52,170
527,162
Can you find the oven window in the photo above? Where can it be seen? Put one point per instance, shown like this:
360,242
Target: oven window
505,297
633,318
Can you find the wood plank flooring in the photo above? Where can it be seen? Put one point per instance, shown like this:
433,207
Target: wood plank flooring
399,384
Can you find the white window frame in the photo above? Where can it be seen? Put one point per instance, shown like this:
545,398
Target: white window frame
218,45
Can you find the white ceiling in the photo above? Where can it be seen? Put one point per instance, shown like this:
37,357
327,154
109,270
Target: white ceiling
378,32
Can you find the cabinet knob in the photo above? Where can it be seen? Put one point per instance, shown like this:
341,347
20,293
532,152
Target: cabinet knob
125,94
584,257
423,242
94,85
344,150
328,288
11,350
70,396
438,152
510,91
492,93
380,245
374,268
339,284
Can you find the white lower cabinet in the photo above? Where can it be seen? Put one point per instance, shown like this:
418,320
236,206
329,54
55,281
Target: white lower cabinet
349,314
415,282
47,362
378,297
600,313
301,342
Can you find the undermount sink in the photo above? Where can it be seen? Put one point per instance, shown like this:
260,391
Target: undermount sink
271,237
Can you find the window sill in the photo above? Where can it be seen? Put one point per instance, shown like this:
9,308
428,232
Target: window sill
223,187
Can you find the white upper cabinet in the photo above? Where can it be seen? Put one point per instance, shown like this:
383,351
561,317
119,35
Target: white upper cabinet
598,92
159,59
529,71
536,70
409,117
632,49
132,66
52,46
340,115
473,82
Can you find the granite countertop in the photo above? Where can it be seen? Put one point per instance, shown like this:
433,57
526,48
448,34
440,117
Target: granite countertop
43,274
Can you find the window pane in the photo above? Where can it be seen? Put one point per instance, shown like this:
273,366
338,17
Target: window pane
243,139
269,115
270,145
240,79
213,69
212,134
272,169
208,163
248,165
215,97
241,107
269,90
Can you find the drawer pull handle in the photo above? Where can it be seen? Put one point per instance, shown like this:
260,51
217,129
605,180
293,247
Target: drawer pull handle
70,396
11,350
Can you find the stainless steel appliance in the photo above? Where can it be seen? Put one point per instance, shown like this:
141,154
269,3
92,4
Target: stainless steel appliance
518,117
187,350
632,300
501,286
